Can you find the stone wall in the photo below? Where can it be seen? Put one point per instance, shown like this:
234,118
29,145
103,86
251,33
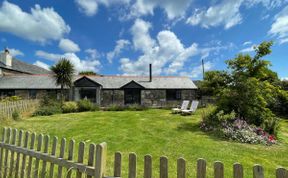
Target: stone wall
153,98
157,98
109,97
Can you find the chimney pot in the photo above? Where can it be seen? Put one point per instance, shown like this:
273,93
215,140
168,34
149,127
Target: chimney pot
6,58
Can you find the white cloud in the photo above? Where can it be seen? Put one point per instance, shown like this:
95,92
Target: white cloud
166,53
93,53
68,46
249,49
247,43
120,45
89,63
48,56
227,12
279,28
141,37
172,8
42,65
15,52
40,25
90,7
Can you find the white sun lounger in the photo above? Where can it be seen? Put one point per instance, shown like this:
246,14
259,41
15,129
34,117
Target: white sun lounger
184,106
192,109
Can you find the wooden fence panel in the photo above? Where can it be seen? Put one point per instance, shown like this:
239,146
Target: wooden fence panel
7,108
14,144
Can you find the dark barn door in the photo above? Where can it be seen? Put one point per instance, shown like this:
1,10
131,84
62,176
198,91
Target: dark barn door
132,96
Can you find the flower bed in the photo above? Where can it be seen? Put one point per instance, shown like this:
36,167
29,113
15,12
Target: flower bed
240,131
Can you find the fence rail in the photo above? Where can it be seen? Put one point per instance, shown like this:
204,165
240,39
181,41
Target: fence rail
19,159
7,108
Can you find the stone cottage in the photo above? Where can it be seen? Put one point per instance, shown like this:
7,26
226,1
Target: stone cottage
31,82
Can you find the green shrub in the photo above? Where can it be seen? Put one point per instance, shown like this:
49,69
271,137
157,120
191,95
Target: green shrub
86,105
136,107
114,107
69,107
47,111
16,115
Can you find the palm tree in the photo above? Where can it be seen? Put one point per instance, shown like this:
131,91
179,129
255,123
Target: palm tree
63,74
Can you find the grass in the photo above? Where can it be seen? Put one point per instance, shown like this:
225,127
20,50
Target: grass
157,132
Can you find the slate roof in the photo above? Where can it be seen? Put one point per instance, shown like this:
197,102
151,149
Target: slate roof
23,67
107,82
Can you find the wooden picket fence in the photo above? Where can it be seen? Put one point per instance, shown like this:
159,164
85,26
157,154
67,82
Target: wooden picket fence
20,159
7,108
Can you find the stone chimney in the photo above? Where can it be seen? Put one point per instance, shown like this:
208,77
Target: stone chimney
6,58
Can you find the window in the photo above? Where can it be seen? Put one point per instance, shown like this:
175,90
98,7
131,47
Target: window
32,94
173,94
5,93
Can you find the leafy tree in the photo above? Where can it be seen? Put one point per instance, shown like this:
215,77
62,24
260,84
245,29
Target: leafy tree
63,74
87,73
250,88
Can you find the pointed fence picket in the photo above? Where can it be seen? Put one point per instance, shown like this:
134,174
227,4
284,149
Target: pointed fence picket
18,159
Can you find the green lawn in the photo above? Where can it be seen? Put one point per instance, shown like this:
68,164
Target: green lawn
158,132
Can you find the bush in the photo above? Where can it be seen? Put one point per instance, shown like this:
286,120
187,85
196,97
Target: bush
47,111
136,107
114,107
86,105
69,107
11,98
16,115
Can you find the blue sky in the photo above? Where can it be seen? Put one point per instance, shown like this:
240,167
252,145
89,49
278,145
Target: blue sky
121,37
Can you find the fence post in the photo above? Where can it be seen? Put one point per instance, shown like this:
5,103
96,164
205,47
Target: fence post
117,164
163,167
7,153
61,155
132,165
13,142
237,170
100,161
2,150
181,168
70,156
201,168
281,173
258,171
32,142
218,170
39,146
22,173
91,156
53,153
147,166
46,146
19,144
80,157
